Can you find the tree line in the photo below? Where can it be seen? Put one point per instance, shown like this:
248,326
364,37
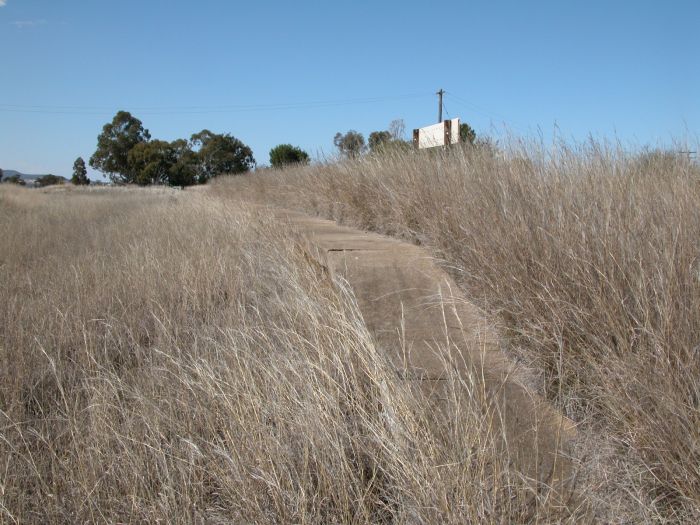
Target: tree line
127,154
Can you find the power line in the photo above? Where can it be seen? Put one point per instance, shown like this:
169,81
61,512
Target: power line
223,107
166,110
483,111
447,111
475,107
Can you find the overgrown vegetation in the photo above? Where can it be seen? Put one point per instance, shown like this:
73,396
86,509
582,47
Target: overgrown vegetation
166,357
589,258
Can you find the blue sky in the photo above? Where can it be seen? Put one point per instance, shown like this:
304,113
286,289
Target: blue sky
298,72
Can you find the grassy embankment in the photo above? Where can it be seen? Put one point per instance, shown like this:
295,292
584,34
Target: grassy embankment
165,356
588,258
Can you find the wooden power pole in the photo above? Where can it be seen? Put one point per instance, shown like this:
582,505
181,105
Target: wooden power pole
440,94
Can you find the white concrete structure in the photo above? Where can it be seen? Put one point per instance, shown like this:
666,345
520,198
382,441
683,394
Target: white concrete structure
442,134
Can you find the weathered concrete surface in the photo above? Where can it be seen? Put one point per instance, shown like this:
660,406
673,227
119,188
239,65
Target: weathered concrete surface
420,319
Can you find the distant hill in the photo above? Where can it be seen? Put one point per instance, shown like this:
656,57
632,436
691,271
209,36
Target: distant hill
29,179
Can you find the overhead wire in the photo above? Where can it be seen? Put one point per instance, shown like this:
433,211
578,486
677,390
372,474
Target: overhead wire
447,111
168,110
483,111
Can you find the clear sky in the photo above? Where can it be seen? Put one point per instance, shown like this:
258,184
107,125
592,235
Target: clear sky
299,71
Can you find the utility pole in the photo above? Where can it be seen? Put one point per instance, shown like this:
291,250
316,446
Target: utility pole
440,94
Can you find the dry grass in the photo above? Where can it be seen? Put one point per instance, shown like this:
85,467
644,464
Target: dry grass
166,357
589,259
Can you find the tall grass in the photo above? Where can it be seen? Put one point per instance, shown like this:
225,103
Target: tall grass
168,357
589,258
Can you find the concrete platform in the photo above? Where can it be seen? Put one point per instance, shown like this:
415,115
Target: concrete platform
422,321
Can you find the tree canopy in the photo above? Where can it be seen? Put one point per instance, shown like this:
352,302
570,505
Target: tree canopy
126,153
151,162
80,177
466,133
220,154
286,154
378,139
15,179
49,180
161,162
183,171
114,144
1,174
389,140
350,144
